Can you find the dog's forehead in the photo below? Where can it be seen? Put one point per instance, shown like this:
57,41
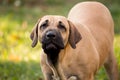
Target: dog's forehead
54,19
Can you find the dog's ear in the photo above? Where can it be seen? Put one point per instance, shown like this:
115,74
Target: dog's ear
74,35
34,35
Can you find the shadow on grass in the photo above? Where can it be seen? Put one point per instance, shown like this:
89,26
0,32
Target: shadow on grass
20,70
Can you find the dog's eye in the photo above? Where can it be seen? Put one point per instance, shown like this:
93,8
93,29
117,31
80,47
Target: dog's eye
61,26
44,25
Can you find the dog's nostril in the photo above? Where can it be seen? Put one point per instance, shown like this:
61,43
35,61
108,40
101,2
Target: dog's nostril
50,34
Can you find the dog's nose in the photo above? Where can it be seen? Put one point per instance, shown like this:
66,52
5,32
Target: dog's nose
50,35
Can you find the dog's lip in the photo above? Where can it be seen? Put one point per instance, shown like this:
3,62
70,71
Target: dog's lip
52,42
51,46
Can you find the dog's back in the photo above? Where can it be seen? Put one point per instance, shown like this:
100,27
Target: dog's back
97,18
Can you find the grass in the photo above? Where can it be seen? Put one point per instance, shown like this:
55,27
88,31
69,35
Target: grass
18,61
20,70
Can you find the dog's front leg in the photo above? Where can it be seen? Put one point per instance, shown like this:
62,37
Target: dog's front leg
47,72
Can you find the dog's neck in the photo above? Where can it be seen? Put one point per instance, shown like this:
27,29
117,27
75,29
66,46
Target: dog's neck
53,55
52,58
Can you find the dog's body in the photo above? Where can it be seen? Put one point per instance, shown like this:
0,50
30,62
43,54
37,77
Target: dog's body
86,43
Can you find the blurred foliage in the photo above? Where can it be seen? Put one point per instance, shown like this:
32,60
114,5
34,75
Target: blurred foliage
18,61
36,2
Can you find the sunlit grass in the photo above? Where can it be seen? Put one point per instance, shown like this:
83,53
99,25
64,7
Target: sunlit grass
18,60
117,48
15,42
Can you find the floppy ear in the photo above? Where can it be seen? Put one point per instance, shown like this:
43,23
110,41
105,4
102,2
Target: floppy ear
34,35
74,35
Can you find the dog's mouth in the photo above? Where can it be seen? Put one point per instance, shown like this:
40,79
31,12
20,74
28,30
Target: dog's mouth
52,41
52,47
49,45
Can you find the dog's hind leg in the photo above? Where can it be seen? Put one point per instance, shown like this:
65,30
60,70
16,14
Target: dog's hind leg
111,66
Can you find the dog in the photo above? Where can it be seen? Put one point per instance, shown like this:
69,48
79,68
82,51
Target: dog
74,48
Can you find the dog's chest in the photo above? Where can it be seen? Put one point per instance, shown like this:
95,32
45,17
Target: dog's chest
62,72
65,72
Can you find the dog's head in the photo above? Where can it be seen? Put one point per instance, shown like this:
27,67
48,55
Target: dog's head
54,32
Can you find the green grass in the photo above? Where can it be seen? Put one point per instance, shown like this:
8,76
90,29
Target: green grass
20,70
18,61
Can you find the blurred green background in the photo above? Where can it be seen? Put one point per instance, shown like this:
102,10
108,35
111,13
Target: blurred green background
18,61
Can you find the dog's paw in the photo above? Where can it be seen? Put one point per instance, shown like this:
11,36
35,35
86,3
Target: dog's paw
72,78
55,78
